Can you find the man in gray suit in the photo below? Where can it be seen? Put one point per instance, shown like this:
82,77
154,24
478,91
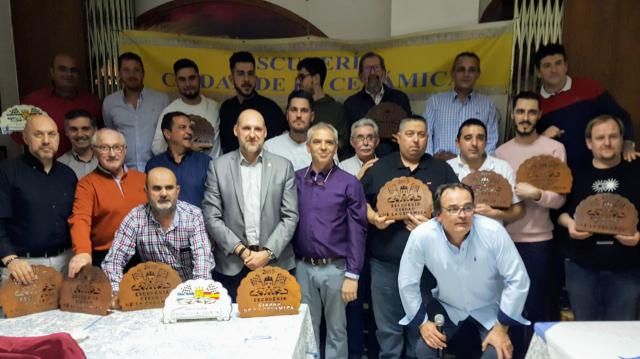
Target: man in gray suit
250,206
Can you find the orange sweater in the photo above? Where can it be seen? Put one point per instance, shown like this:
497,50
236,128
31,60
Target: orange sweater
100,206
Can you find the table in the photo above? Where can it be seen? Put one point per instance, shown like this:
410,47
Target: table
585,340
141,334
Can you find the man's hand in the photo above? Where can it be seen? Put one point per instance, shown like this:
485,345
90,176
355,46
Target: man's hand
365,167
499,339
257,260
432,336
575,234
21,271
381,222
349,290
486,210
553,132
414,220
525,190
77,262
628,240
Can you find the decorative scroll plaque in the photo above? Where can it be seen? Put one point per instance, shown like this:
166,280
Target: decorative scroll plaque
388,116
547,173
42,295
268,291
89,292
203,132
147,285
197,299
404,195
606,213
490,188
15,118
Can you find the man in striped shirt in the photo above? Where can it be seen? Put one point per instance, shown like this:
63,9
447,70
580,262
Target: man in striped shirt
164,230
446,111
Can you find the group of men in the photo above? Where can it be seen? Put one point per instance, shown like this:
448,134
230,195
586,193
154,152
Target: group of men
267,188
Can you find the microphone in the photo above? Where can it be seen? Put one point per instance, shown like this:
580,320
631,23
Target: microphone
439,320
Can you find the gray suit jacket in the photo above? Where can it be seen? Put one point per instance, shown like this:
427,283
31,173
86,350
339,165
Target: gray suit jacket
223,207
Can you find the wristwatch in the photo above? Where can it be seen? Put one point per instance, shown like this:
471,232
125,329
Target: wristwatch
272,257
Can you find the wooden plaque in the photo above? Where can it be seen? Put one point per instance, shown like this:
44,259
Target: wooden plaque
547,173
388,116
606,213
203,132
147,285
490,188
404,195
268,291
89,292
18,300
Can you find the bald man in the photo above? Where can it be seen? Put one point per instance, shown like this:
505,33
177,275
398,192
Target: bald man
36,197
103,198
164,230
250,206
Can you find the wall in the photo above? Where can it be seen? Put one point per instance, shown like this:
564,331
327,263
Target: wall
8,79
408,16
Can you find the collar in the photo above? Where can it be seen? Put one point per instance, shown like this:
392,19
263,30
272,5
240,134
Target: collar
107,173
567,86
124,99
400,165
170,156
152,218
76,157
454,96
243,161
34,162
360,161
376,98
487,165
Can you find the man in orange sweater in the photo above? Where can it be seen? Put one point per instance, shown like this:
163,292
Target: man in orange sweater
103,198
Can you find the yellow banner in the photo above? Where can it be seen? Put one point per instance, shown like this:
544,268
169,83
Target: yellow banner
416,64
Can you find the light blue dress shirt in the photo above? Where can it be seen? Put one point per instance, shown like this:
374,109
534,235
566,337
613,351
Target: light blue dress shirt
483,277
445,113
138,125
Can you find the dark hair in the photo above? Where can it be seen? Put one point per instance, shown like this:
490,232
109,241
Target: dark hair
437,197
471,122
167,120
130,56
548,50
184,64
601,119
466,54
301,94
368,55
526,95
413,117
241,56
315,66
79,112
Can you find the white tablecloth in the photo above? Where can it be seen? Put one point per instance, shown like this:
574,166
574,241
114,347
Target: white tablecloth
141,334
585,340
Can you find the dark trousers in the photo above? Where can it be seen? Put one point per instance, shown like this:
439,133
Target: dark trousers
360,319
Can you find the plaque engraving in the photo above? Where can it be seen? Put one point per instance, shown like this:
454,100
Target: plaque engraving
404,195
203,133
388,116
89,292
268,291
606,213
490,188
547,173
42,295
147,285
197,299
15,118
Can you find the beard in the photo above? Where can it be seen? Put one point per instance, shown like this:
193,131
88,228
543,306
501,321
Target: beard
374,84
242,91
525,133
192,96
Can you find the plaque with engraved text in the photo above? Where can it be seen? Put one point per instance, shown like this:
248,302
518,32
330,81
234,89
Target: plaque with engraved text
89,292
404,195
388,116
147,285
490,188
547,173
268,291
203,132
42,295
606,213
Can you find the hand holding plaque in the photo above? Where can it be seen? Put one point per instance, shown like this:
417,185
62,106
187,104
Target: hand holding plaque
490,188
547,173
607,213
404,195
41,295
88,292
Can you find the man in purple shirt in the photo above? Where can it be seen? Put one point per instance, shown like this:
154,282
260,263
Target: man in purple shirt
330,239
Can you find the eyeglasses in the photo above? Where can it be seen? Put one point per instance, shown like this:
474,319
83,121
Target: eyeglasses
467,209
372,68
107,148
361,139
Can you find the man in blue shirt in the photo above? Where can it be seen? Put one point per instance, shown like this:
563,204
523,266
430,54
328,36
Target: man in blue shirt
481,280
330,239
190,167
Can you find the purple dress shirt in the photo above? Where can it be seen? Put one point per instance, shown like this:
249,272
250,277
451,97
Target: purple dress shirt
332,211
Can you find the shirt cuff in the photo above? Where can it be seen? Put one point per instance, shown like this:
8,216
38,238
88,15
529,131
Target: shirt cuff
352,275
504,319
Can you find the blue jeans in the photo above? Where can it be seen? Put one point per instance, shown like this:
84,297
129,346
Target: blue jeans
602,295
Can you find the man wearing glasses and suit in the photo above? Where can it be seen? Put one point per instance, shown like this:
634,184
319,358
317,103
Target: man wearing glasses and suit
250,206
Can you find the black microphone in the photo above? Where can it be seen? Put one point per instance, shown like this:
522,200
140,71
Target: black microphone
439,320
